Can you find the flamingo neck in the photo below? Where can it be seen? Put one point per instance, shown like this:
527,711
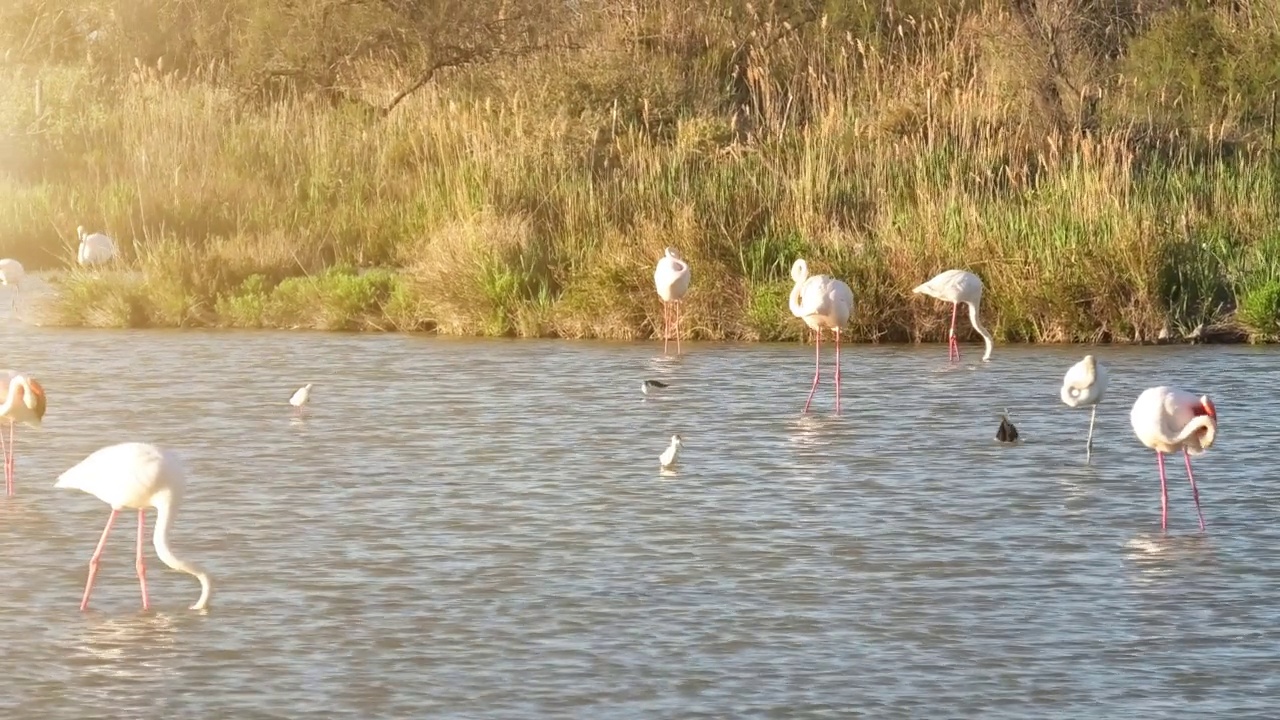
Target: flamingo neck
1200,424
986,336
17,384
166,509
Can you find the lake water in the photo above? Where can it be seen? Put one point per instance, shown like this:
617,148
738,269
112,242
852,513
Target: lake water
463,529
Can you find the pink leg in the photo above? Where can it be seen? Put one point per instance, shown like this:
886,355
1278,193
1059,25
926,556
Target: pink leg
817,364
1194,493
93,561
837,371
1164,492
142,570
8,479
677,327
666,321
953,347
10,462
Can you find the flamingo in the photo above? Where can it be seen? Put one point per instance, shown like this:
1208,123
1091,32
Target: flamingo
24,402
1168,420
955,287
11,273
95,248
668,458
671,277
141,476
301,397
822,302
1083,386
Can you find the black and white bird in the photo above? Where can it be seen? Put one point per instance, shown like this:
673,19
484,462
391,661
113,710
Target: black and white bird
651,386
1007,433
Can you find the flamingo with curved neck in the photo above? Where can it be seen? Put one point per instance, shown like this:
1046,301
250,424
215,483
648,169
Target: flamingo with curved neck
24,402
140,476
1168,420
955,287
822,302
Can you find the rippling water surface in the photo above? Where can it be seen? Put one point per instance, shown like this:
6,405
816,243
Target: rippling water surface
480,529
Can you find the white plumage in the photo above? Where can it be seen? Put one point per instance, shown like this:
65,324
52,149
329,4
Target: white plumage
301,396
1084,386
668,458
822,302
12,273
1168,420
955,287
95,248
139,476
671,278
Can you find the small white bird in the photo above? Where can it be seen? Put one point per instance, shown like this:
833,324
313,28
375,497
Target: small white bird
95,248
821,301
1168,420
649,386
140,476
955,287
671,277
668,458
301,397
11,273
1084,386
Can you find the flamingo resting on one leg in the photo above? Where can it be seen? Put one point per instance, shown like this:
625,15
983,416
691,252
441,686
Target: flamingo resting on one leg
671,278
822,302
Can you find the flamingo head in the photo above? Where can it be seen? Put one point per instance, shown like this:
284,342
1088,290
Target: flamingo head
34,399
677,441
1209,432
799,271
80,231
673,253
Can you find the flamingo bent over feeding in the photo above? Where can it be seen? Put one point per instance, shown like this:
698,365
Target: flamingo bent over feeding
1084,386
24,402
11,273
301,397
822,302
141,476
668,458
671,277
95,248
955,287
1168,420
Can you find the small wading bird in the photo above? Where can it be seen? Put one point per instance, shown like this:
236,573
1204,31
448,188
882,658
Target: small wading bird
671,277
1006,433
955,287
139,476
649,386
1083,386
11,273
1168,420
95,248
668,458
301,396
821,301
24,402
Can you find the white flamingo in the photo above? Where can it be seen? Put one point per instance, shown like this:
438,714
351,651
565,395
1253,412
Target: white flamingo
955,287
1084,386
24,402
668,458
1168,420
301,397
141,476
821,301
95,248
671,277
11,273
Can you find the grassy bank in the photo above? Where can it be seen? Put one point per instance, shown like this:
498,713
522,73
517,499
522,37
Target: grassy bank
1102,193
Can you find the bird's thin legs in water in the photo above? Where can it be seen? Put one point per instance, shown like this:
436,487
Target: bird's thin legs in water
953,348
1194,493
677,327
837,371
142,569
817,365
9,462
8,479
1088,444
93,561
666,321
1164,492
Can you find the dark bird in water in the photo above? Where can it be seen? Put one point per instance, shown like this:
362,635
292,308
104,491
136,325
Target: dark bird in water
649,385
1007,432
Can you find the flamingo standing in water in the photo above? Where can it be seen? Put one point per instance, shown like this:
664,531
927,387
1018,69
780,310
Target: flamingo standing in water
95,248
671,277
822,302
141,476
1168,420
11,273
24,402
1083,386
955,287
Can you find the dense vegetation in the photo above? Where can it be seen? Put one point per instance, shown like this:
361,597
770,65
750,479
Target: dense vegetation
1110,168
